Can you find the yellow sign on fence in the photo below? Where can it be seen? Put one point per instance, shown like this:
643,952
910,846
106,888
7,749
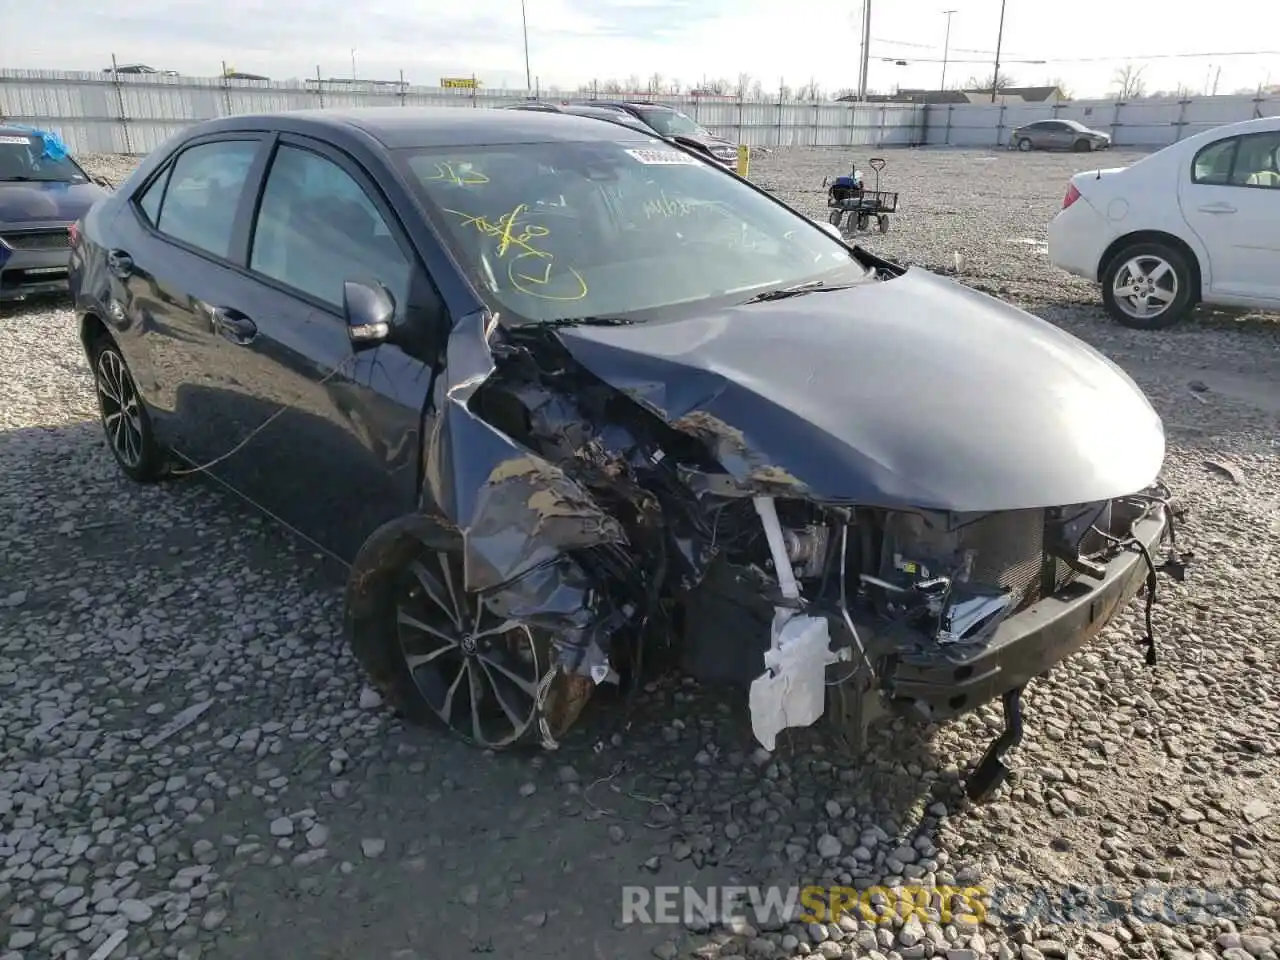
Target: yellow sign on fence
464,83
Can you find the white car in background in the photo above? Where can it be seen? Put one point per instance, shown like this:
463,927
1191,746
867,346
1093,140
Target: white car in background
1196,222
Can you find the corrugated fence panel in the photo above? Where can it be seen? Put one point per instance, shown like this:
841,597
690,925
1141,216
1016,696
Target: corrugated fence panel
1134,123
102,112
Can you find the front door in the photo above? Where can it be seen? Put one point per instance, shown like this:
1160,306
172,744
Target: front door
335,449
1230,197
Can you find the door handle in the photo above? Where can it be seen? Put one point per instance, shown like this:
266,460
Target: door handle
233,325
120,264
1217,208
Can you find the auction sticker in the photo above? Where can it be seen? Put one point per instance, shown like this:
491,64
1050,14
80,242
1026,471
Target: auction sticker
25,141
660,157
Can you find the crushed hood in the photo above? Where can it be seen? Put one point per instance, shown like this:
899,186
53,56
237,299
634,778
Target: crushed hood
915,391
29,203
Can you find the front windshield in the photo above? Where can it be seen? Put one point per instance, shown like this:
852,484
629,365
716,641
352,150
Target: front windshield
672,123
22,158
555,231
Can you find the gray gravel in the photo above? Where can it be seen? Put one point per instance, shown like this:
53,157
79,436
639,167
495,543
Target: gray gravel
191,767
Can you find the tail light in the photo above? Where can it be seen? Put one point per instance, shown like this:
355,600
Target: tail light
1072,196
73,235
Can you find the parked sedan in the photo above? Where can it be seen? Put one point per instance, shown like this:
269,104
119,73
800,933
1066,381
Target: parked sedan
1059,135
43,191
1196,222
562,396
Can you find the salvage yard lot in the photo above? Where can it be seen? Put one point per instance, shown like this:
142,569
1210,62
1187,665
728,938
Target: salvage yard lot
295,818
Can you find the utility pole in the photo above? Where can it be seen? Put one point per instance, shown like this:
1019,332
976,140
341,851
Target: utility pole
946,48
524,21
864,72
353,64
995,77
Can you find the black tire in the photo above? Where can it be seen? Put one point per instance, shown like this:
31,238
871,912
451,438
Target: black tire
394,613
863,221
884,223
1025,145
125,421
1181,299
834,217
1082,146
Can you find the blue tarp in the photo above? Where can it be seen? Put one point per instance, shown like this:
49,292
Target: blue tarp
54,148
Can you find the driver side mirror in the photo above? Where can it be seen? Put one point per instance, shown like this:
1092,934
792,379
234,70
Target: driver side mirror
370,310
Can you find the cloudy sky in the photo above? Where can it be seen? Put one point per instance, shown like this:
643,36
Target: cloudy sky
571,42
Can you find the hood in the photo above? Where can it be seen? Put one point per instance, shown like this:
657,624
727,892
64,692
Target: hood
914,391
22,203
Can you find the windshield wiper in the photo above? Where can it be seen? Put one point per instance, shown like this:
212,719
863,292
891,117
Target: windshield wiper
799,290
21,179
582,322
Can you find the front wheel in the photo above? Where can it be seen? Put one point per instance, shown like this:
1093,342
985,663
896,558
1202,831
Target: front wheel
835,217
1148,286
439,654
1082,146
124,418
1024,145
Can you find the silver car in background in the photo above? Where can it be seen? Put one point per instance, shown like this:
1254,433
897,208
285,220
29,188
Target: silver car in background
1058,135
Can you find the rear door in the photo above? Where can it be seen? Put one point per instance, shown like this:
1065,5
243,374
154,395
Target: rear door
1230,197
175,253
334,439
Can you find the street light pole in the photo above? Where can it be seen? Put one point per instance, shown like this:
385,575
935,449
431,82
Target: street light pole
528,73
946,48
995,77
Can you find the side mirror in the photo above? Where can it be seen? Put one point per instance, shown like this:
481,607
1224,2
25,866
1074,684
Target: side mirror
370,309
831,228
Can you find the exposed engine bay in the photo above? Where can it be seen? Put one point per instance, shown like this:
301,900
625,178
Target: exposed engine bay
633,527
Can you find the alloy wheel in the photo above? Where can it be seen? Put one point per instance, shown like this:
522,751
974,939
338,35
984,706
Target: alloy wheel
121,409
1145,286
478,673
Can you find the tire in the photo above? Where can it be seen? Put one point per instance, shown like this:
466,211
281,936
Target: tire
1082,146
395,614
884,223
863,221
125,421
1175,279
1024,145
834,217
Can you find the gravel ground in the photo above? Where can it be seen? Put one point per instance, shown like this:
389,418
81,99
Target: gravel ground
190,766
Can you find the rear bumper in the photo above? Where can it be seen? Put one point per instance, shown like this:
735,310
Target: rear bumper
24,273
953,680
1078,236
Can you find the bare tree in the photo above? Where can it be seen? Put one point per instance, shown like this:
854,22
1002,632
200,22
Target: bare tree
757,90
719,86
743,86
809,92
1129,83
844,92
991,82
611,86
632,83
785,93
675,86
1064,92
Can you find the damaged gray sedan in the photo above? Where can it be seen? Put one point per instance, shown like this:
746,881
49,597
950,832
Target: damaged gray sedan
564,397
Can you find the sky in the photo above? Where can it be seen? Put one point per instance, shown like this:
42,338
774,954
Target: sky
572,42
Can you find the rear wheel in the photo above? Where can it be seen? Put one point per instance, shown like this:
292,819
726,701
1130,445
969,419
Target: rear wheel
1024,145
1148,286
124,418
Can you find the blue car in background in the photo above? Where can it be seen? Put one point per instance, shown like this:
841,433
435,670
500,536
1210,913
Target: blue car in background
43,192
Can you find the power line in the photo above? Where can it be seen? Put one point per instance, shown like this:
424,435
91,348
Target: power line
1093,59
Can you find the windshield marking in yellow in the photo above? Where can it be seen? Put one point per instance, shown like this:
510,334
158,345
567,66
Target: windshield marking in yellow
510,233
467,178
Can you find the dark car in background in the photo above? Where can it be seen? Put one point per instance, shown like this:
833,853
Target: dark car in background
570,402
670,122
43,192
1058,135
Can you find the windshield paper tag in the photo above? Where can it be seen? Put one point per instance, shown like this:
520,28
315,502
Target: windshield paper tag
25,141
653,157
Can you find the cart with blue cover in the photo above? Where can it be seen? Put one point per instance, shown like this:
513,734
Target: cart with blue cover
849,195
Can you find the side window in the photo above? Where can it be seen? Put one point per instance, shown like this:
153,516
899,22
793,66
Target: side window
204,190
149,202
1212,164
317,228
1256,162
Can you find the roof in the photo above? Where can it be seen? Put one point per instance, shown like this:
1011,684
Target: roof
401,127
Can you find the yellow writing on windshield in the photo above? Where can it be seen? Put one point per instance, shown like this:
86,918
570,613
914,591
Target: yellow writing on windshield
465,177
664,206
530,269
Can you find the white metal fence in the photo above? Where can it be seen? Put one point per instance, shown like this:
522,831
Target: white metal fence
122,113
1137,123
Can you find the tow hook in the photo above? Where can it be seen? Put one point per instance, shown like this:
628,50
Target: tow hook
991,771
